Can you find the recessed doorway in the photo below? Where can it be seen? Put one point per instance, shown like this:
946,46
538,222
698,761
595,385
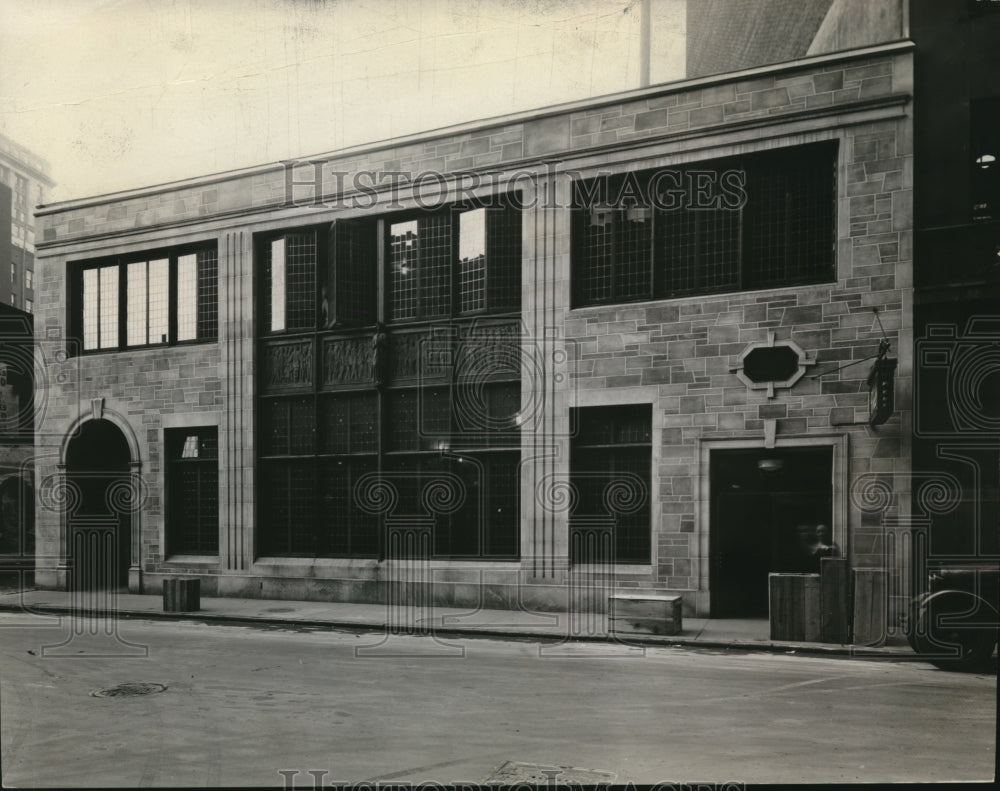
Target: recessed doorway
770,512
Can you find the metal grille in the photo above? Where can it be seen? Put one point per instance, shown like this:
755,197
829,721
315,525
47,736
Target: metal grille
783,235
193,491
598,254
503,258
699,250
632,260
435,266
300,296
208,294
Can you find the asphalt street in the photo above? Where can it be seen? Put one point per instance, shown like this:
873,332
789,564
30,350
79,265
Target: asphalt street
252,706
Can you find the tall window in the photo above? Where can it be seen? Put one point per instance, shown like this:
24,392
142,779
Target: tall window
760,221
192,478
346,390
610,473
167,298
29,279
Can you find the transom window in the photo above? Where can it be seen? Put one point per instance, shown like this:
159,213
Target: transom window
166,298
760,221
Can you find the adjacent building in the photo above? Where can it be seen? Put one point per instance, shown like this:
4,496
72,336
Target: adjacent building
622,344
24,184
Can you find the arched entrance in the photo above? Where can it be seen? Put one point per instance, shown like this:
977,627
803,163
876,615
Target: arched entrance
99,518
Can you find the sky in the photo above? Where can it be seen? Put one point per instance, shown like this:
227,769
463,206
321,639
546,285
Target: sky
117,94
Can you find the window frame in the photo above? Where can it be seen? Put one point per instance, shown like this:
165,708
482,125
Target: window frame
121,263
819,155
172,468
500,203
616,452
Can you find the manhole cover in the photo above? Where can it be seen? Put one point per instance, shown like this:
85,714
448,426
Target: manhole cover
513,772
129,690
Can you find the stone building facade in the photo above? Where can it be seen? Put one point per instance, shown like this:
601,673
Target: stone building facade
688,381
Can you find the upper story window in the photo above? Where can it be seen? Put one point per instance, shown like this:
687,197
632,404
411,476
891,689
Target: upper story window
29,279
461,262
761,221
169,297
319,278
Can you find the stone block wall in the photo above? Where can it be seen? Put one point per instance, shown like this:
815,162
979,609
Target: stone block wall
677,353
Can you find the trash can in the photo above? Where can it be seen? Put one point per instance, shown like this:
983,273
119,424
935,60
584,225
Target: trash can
795,607
182,594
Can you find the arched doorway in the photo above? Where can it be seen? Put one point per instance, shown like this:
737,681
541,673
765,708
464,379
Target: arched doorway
99,520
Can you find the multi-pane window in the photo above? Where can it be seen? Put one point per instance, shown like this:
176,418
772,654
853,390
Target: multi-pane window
764,220
455,263
192,479
343,393
314,449
29,279
148,301
610,462
29,305
319,278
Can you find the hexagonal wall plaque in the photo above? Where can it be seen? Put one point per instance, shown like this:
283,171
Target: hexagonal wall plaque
765,365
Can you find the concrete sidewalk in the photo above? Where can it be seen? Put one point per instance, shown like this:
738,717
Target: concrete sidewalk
743,634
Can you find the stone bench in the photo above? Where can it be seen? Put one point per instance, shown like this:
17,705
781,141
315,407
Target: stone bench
645,613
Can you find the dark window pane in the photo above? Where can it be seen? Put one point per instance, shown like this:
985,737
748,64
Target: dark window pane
192,491
610,475
503,258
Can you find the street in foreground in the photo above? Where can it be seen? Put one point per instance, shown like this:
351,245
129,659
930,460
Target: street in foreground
243,705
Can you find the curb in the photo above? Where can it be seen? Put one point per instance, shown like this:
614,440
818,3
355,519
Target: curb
898,653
